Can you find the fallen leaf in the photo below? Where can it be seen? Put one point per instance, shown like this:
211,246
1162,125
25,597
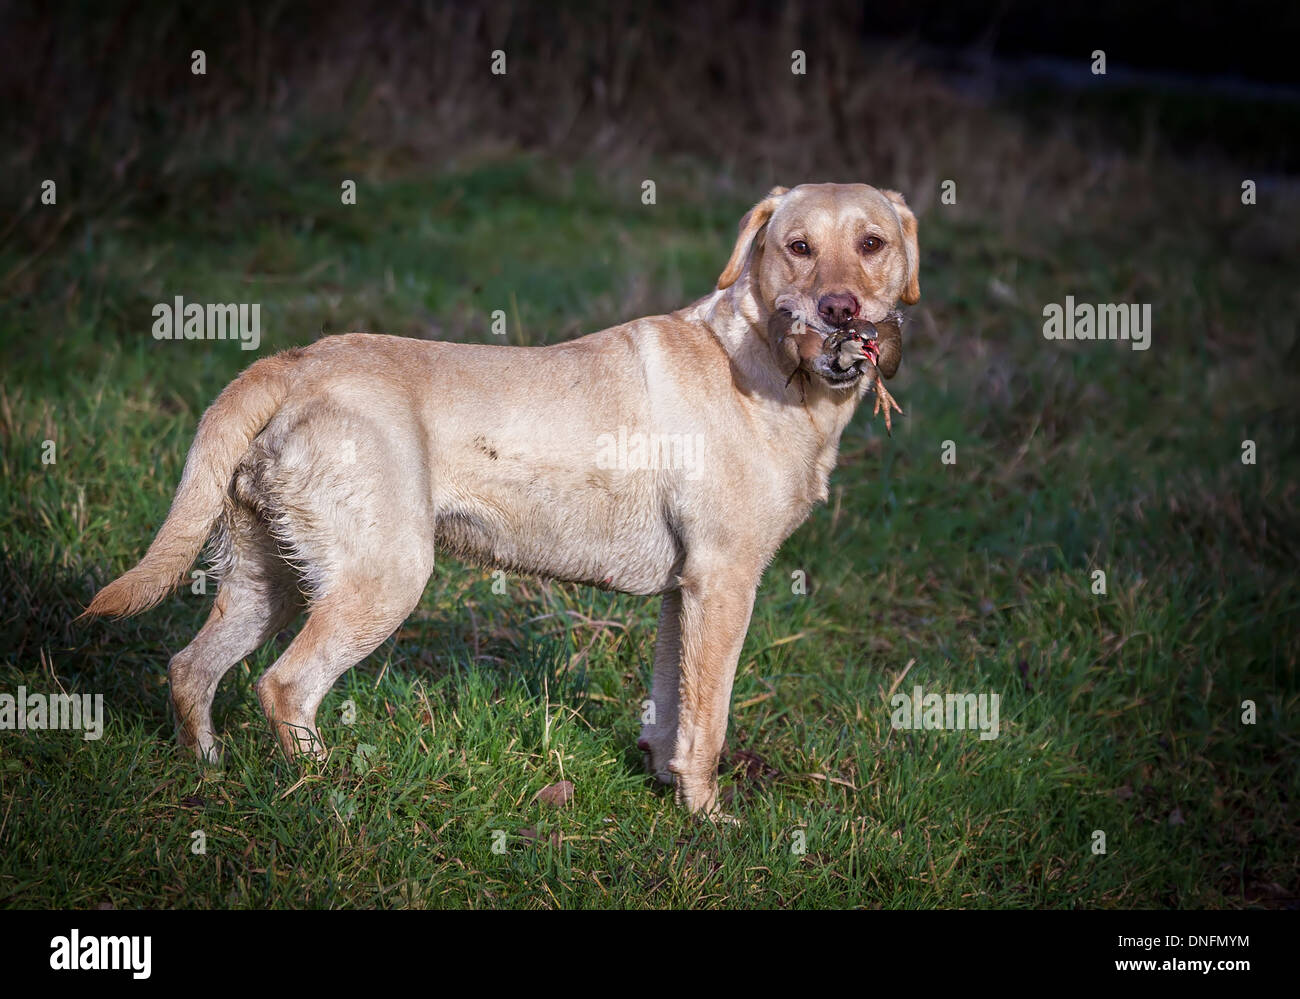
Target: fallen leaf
558,794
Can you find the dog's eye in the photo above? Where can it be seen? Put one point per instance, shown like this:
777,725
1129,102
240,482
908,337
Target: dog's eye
871,244
799,248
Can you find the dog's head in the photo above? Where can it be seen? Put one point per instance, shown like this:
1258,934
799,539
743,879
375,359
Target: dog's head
827,254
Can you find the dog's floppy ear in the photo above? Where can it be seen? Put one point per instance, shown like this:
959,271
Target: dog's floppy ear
912,293
750,226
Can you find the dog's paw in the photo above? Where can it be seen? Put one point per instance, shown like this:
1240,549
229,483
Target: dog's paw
697,794
212,755
656,760
205,747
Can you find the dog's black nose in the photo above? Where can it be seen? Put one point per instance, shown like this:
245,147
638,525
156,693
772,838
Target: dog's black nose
837,309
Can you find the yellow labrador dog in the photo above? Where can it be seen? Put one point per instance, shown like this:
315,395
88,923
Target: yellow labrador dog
327,476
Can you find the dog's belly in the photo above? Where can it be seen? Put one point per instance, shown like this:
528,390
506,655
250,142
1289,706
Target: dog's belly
586,539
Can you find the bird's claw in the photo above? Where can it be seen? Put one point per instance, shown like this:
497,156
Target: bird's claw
883,402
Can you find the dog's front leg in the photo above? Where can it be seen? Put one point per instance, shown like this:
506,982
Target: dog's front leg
715,616
659,716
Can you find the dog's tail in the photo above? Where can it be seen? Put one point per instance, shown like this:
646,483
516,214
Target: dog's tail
241,411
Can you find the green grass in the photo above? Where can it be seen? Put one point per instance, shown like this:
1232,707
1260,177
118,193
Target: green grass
1120,712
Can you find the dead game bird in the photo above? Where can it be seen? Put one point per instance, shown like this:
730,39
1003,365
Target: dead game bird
838,355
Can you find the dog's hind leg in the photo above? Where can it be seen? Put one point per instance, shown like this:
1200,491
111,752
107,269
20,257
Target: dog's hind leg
343,627
257,596
353,505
